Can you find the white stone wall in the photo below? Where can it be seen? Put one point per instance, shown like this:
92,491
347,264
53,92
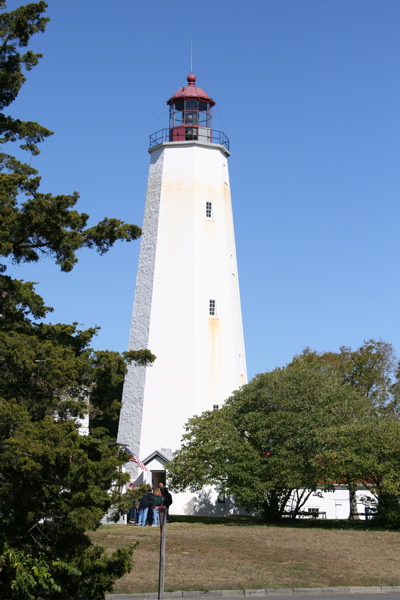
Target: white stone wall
185,261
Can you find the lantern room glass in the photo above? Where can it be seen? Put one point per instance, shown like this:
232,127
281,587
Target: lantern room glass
190,112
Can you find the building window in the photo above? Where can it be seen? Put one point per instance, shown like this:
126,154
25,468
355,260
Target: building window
216,407
313,511
209,210
212,308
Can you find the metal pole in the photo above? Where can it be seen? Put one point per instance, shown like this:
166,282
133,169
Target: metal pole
163,530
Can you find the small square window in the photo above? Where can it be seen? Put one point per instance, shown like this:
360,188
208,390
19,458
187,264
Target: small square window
212,308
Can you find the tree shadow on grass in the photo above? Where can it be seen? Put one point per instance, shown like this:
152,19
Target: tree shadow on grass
255,521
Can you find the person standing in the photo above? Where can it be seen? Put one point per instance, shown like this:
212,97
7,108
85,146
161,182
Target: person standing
132,515
150,516
167,498
157,503
144,504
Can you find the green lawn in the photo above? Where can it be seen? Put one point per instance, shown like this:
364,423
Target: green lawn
207,554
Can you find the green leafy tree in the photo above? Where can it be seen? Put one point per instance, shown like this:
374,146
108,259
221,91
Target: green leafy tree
379,451
367,457
325,418
268,443
55,484
370,369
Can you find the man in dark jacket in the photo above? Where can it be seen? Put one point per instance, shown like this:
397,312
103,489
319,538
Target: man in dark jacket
144,504
166,494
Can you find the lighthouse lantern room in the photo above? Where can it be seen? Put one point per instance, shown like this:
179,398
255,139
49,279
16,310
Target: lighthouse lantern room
190,117
190,113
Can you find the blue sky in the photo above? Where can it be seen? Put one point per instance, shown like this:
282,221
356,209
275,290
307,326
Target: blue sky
308,92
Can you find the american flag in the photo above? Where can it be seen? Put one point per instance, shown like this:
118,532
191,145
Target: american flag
134,458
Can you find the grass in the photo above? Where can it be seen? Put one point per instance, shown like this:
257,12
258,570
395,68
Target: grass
212,554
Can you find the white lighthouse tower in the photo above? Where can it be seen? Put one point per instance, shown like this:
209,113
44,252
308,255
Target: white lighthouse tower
187,304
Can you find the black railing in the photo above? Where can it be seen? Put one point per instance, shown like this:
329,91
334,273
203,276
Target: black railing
191,133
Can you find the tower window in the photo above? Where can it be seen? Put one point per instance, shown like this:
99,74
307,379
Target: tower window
212,308
209,210
216,407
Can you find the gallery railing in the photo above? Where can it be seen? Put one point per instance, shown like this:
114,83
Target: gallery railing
178,134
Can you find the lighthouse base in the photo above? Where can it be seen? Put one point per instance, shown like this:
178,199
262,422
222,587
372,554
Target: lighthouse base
208,502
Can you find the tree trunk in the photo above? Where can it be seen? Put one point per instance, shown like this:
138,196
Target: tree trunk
353,516
272,511
300,499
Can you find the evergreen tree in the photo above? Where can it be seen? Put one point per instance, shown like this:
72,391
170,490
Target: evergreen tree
55,484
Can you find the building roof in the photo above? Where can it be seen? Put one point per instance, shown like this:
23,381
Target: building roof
191,91
165,454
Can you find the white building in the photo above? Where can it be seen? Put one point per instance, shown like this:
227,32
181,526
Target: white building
336,504
187,304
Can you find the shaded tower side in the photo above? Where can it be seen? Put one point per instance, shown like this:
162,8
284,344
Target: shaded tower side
130,422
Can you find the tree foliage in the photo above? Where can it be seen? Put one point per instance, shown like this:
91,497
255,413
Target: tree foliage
371,453
370,369
289,433
43,224
55,484
268,440
107,383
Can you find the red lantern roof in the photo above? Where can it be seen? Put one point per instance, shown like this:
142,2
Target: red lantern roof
191,91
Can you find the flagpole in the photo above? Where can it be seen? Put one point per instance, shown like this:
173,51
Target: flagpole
163,530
